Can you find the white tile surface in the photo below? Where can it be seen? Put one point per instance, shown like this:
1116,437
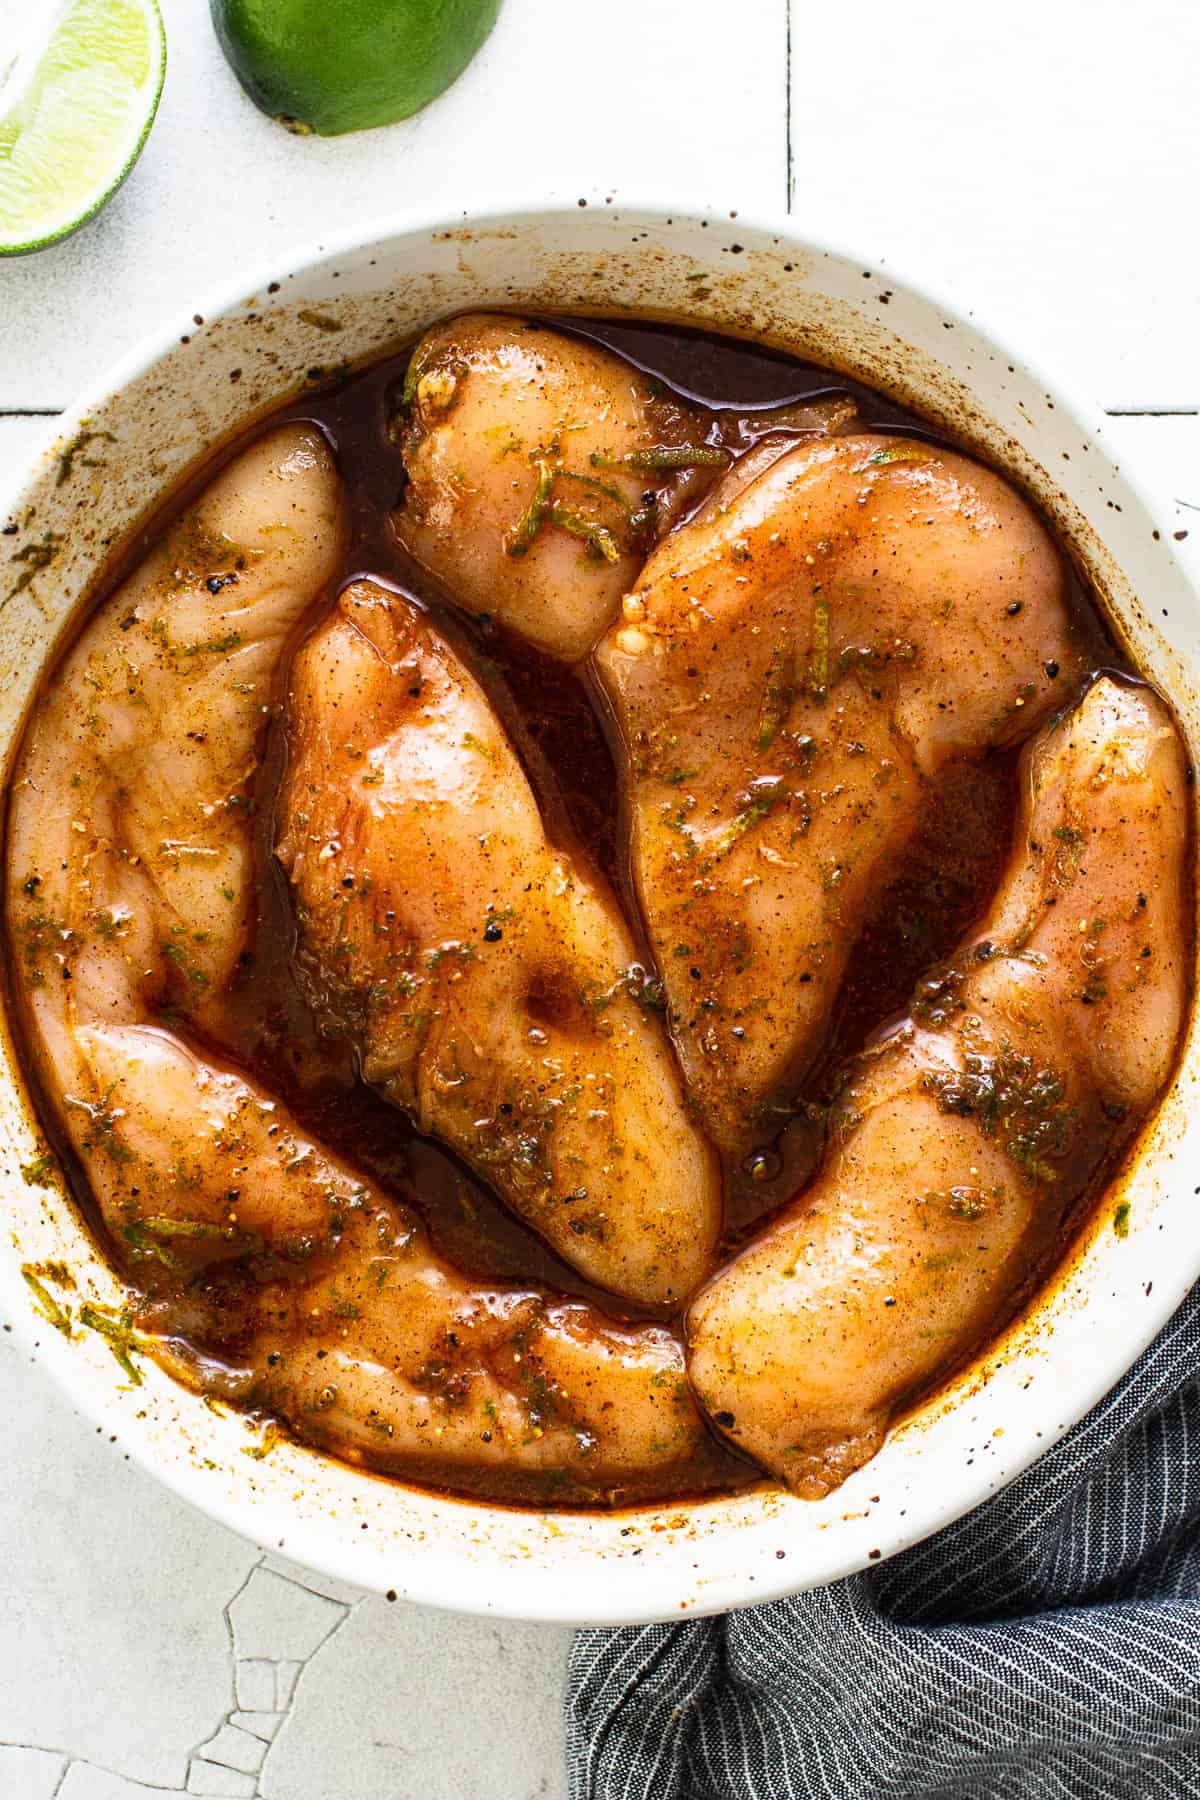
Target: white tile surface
1164,452
19,437
34,1774
144,1650
1037,161
1040,161
550,104
463,1714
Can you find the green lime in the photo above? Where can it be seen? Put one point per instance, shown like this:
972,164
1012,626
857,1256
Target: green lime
76,105
346,65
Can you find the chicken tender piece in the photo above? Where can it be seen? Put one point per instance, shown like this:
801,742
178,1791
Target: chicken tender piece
357,1333
129,862
536,465
791,670
488,981
131,896
960,1142
392,1357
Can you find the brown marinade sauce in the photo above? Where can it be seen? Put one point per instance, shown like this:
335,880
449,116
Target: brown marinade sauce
558,724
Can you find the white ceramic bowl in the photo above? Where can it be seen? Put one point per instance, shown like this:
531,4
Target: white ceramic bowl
181,394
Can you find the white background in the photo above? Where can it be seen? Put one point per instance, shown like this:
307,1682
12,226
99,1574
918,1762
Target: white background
1040,164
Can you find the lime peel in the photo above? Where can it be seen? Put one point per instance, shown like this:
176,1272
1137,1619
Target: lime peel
331,66
76,106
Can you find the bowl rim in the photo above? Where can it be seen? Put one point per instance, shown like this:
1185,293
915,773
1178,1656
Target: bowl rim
499,1592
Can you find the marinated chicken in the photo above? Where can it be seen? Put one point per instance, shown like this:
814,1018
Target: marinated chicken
348,1325
961,1140
367,959
392,1356
131,899
487,980
131,894
791,671
537,466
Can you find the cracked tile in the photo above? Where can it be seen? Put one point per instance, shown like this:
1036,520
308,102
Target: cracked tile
116,1648
211,1779
33,1774
85,1782
341,1591
286,1677
269,1612
274,1619
262,1725
255,1686
233,1748
452,1709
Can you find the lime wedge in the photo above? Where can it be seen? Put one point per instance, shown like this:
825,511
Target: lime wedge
76,104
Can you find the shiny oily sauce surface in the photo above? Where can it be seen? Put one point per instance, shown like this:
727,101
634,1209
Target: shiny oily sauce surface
561,724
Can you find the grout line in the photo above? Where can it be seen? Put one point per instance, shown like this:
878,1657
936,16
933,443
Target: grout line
32,412
788,106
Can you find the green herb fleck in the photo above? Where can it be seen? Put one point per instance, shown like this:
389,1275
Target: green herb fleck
78,444
1068,852
187,1228
35,557
596,485
663,458
102,1126
762,798
48,1306
1014,1100
533,518
471,742
266,1443
598,538
779,693
903,451
818,664
118,1333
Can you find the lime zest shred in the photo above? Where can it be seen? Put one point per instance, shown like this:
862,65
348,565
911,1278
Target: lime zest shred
903,451
533,518
266,1443
665,458
606,488
118,1333
778,693
186,1228
40,1172
598,538
47,1305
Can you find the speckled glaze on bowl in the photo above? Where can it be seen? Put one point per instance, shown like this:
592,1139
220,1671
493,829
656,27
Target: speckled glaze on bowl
141,428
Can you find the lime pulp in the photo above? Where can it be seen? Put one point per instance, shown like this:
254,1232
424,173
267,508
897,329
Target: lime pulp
76,105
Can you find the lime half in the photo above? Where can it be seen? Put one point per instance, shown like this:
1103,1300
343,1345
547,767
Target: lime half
76,104
347,65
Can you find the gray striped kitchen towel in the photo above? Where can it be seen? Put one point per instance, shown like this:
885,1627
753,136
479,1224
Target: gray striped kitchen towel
1045,1647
